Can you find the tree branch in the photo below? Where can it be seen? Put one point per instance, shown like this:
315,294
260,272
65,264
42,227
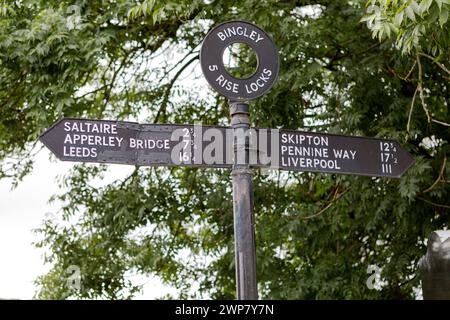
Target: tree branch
108,88
440,176
178,63
411,109
410,71
441,122
335,198
163,108
420,88
433,203
437,63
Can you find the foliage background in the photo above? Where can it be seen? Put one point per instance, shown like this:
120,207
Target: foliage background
349,67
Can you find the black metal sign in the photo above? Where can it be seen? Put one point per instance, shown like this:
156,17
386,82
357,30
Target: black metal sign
211,60
131,143
317,152
122,142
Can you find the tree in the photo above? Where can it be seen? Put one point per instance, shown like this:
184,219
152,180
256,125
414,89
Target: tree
316,234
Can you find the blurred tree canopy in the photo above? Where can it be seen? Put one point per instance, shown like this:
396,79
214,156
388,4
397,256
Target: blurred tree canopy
377,68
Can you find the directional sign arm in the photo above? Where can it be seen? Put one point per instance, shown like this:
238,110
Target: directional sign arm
119,142
131,143
303,151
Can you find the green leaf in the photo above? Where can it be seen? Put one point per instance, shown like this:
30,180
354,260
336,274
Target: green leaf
440,2
434,14
424,5
410,13
414,6
387,29
398,18
443,17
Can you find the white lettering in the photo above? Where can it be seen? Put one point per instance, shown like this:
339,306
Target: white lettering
221,36
149,143
79,152
90,127
230,32
344,154
263,78
228,85
313,163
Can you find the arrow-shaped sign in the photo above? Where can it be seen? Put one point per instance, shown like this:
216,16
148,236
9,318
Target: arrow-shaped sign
122,142
304,151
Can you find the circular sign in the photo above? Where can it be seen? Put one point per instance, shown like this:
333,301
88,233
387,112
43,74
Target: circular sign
211,60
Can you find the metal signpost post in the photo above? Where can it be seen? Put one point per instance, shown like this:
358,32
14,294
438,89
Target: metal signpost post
235,147
239,92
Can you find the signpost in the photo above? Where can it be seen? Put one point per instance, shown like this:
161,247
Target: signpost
211,55
120,142
238,147
306,151
239,91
